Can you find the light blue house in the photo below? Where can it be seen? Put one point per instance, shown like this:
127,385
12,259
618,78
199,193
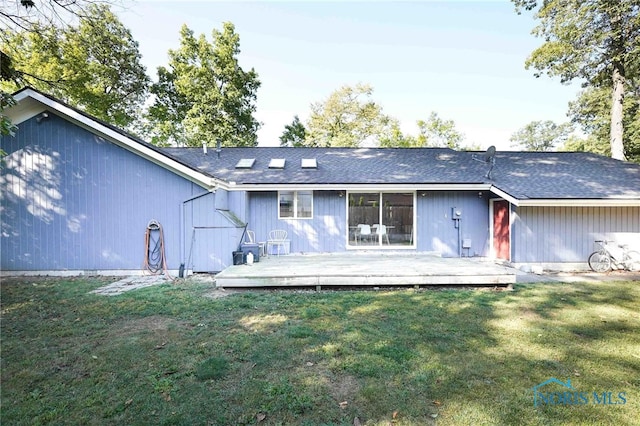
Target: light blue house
78,195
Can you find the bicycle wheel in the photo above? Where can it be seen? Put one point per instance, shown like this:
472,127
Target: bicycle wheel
599,262
633,261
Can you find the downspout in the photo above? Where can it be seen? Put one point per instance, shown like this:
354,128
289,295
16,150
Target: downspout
182,214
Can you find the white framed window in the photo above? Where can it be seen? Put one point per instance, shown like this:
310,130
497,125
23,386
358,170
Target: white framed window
295,204
381,219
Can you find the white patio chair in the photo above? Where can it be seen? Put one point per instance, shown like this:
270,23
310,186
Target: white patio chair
262,245
277,239
381,232
363,230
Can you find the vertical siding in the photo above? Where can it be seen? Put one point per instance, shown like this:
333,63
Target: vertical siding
74,201
325,232
566,234
211,235
436,230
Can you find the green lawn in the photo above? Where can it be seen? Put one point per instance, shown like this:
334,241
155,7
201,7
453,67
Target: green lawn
172,355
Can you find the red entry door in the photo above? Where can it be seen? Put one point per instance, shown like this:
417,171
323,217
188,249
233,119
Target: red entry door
501,245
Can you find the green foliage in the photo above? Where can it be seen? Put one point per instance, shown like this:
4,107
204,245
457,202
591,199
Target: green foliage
95,66
347,118
541,136
432,132
6,127
593,41
393,137
587,144
437,132
294,134
204,96
591,112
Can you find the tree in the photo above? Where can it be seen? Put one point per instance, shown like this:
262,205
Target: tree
541,136
433,132
347,118
164,119
294,134
6,127
394,137
204,96
596,41
587,144
95,66
31,15
590,111
437,132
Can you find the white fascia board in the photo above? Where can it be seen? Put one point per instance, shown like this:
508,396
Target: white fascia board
567,202
603,202
232,186
115,137
500,193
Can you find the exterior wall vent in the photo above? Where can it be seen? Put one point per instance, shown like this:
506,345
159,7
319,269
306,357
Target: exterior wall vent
245,163
277,163
309,163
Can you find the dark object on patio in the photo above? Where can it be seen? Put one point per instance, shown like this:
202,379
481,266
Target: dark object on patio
251,248
238,257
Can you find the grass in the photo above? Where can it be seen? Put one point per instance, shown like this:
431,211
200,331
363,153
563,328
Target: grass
169,355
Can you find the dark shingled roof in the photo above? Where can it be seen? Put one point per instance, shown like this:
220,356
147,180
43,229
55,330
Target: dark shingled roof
565,175
523,175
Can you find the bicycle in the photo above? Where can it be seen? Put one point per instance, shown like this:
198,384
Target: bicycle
609,255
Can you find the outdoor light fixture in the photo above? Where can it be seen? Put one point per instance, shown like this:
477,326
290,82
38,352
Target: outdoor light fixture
340,194
43,116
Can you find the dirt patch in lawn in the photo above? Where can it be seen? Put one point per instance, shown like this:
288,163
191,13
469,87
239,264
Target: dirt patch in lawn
155,324
343,388
217,293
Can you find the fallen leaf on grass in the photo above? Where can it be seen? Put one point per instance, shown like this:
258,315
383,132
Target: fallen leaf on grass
356,422
437,403
260,417
161,346
166,397
343,404
434,415
309,364
394,415
128,402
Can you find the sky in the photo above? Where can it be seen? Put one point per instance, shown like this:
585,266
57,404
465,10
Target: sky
464,60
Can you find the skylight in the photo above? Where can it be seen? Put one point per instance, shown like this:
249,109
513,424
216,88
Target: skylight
277,163
245,163
309,163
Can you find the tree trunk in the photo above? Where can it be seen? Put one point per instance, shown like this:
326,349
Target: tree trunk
617,128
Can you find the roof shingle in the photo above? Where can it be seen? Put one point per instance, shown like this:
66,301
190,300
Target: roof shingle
523,175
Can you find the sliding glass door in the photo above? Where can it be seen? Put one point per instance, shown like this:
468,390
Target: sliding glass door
381,219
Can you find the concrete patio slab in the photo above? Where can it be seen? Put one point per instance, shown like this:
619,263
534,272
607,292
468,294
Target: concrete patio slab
365,269
130,283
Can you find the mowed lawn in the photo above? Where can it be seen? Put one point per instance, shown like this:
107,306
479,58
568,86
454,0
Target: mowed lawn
174,355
